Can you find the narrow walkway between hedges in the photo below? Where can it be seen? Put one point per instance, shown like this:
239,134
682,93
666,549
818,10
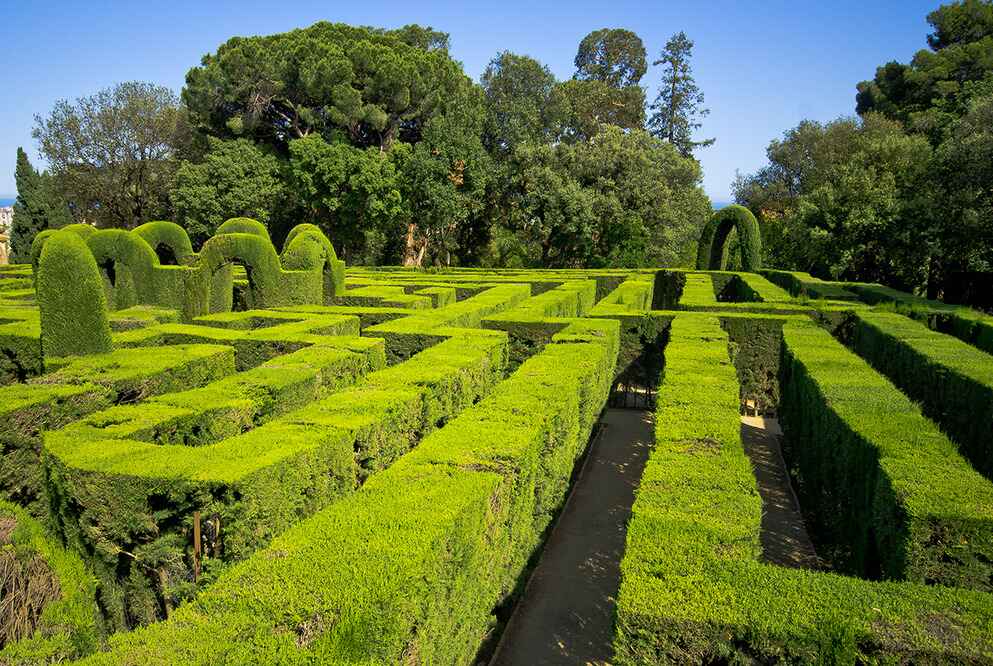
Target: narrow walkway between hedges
567,613
785,540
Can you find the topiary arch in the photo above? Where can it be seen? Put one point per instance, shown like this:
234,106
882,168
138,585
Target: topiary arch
710,252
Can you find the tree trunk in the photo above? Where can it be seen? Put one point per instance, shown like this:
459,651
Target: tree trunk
934,277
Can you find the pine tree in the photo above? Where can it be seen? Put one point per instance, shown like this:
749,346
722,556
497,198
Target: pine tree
679,103
38,207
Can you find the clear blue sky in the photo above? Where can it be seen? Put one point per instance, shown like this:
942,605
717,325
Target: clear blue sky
763,66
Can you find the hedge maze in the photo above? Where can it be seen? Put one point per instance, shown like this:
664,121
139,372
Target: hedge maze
244,455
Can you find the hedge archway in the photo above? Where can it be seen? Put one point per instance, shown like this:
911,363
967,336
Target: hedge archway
168,239
307,248
710,251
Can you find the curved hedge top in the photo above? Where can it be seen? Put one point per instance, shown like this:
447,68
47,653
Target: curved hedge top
710,251
74,320
242,225
172,236
82,230
293,249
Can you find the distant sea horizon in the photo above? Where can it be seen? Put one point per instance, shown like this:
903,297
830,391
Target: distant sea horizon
4,202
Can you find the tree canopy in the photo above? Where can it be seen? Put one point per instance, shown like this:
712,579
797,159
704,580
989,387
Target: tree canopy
612,55
379,138
233,179
902,194
679,103
113,153
373,86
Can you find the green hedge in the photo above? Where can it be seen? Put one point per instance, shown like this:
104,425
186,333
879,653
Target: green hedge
749,287
170,236
137,475
71,299
84,385
69,626
885,489
20,349
442,536
698,291
802,284
711,250
964,323
693,586
254,346
308,272
952,380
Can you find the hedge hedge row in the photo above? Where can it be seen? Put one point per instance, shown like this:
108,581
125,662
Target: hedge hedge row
888,492
68,626
751,287
964,323
693,586
633,295
698,291
801,284
133,273
136,475
254,346
952,380
442,536
84,385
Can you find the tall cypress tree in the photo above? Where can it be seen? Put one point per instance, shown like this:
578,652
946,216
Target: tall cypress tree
38,207
679,103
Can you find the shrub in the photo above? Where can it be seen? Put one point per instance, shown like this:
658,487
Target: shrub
73,321
442,536
67,624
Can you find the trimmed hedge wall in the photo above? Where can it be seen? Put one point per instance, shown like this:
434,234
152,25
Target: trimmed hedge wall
442,536
802,284
85,385
73,320
888,492
309,272
137,474
693,587
952,380
711,250
69,626
169,236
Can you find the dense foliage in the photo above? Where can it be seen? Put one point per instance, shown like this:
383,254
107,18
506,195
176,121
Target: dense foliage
904,193
113,154
38,207
380,139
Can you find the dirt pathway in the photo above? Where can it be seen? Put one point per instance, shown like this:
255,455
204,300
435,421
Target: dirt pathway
784,538
567,613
